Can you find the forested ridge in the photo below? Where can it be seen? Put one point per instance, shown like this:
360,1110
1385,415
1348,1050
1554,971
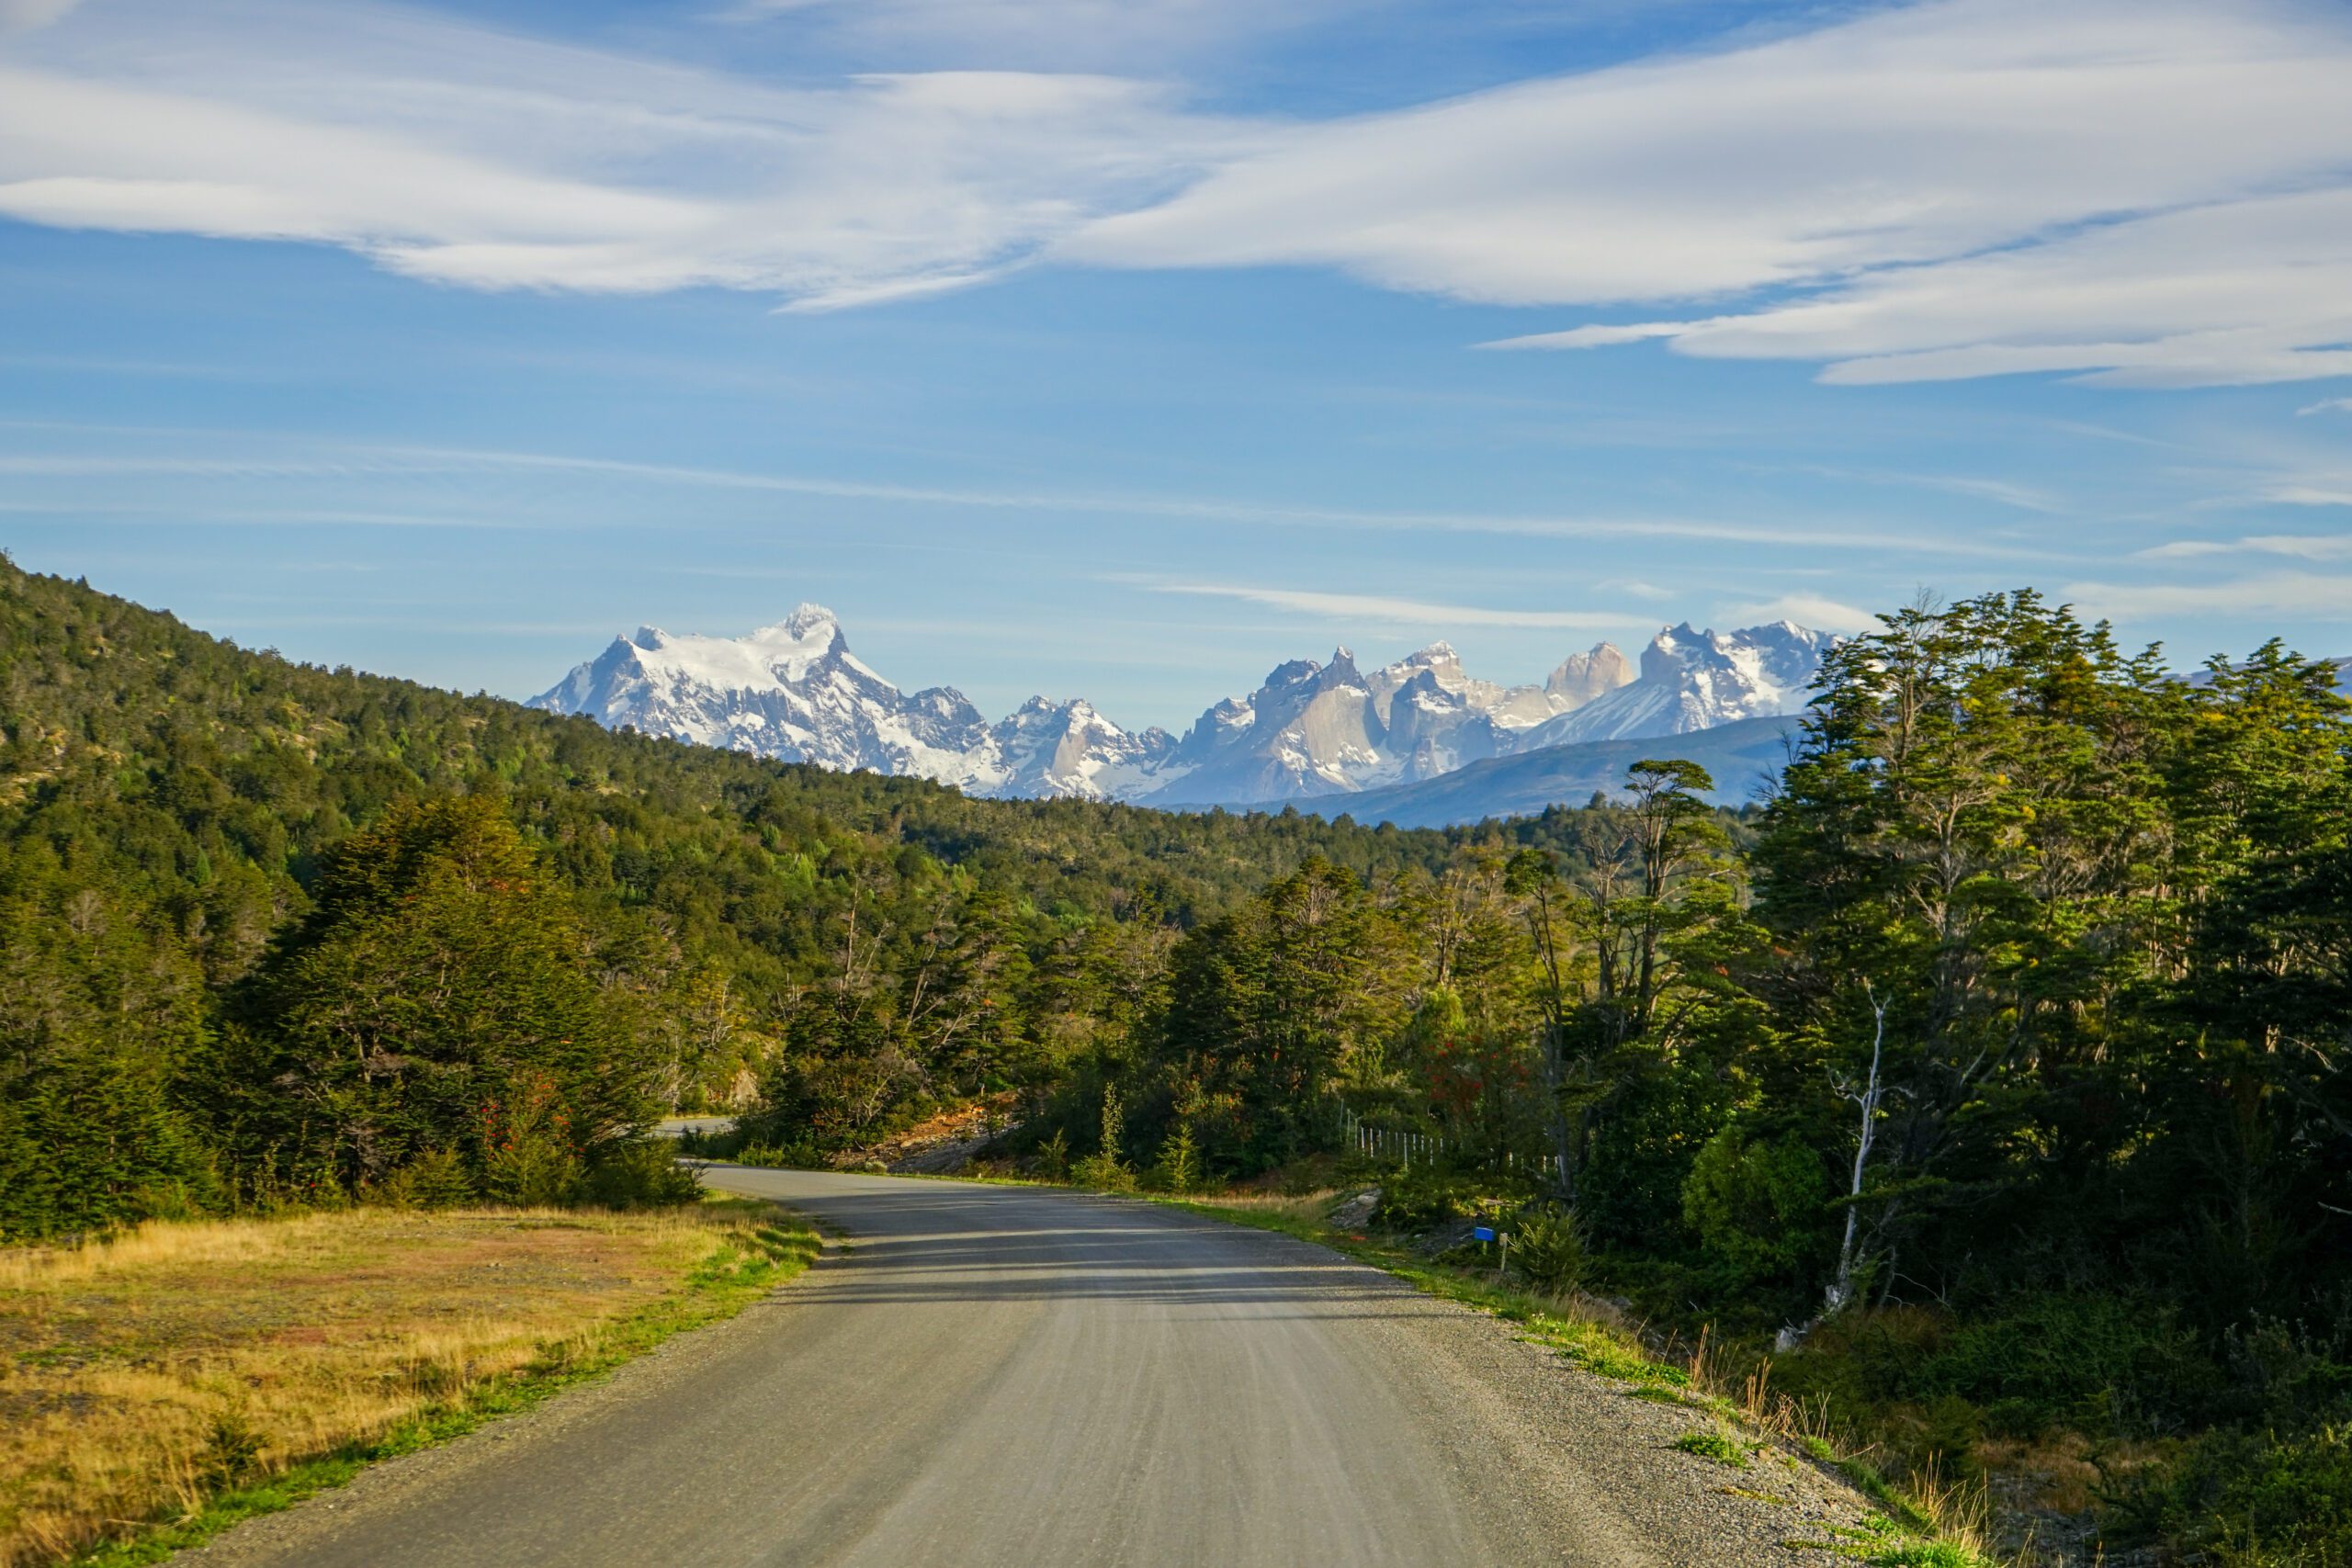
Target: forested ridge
181,935
1991,1067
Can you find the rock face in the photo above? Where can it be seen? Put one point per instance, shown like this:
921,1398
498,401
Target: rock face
1693,679
1312,730
1582,677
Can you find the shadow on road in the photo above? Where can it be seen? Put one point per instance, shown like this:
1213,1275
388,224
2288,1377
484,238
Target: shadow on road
917,1243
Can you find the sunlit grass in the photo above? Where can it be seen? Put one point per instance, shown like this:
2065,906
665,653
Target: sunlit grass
150,1376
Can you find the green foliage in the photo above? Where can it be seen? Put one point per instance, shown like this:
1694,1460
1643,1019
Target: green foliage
172,806
2262,1499
1757,1206
1425,1196
1547,1248
1715,1443
1105,1170
438,995
434,1178
1178,1169
639,1174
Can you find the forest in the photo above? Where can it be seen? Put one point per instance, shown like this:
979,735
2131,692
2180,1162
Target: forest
1986,1072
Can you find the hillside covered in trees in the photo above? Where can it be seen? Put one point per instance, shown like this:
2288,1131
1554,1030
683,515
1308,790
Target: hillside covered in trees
1992,1068
191,921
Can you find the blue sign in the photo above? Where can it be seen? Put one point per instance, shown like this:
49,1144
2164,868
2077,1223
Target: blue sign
1483,1233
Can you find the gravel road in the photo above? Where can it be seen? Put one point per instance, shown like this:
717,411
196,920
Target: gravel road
1009,1377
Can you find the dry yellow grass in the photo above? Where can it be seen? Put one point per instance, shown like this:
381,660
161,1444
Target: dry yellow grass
142,1374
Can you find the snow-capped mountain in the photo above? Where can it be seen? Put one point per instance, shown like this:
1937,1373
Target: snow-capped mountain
1049,749
1315,729
794,691
1694,680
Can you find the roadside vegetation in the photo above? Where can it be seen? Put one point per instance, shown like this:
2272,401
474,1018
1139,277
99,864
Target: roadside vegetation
164,1383
1984,1079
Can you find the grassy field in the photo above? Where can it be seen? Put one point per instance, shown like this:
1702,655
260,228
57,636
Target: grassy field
157,1387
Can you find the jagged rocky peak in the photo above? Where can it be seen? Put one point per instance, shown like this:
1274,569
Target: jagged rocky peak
793,690
1696,680
1581,677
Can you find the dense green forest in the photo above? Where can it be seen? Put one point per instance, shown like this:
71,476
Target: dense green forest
1991,1068
200,939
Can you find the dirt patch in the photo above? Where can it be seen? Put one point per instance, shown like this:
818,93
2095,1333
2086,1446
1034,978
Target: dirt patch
942,1144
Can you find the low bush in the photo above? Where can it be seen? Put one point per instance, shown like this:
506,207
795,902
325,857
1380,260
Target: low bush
639,1175
2255,1499
1427,1196
1547,1248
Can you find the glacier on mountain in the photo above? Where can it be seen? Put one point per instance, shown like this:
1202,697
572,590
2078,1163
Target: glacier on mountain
793,690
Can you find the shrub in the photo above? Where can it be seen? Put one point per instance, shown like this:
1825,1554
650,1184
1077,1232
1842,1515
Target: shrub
1425,1196
437,1178
640,1173
2260,1500
1547,1247
1104,1174
531,1171
1757,1207
1178,1169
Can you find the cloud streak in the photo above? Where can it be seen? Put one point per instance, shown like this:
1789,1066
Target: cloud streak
1385,611
2147,192
475,158
348,461
2308,595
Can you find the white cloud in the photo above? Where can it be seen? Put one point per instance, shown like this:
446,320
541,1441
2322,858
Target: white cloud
2298,547
477,158
1805,609
2298,593
1386,611
2308,495
2329,405
2150,191
2146,192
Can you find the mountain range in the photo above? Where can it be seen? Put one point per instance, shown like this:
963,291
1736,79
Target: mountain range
1312,731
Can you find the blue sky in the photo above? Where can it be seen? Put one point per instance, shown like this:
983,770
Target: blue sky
1122,350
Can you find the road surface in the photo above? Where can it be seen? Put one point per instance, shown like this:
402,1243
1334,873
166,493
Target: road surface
998,1377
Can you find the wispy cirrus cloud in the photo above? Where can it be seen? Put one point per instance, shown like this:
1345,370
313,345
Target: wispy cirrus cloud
1382,610
2146,192
259,457
2316,596
1813,610
2298,547
464,155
